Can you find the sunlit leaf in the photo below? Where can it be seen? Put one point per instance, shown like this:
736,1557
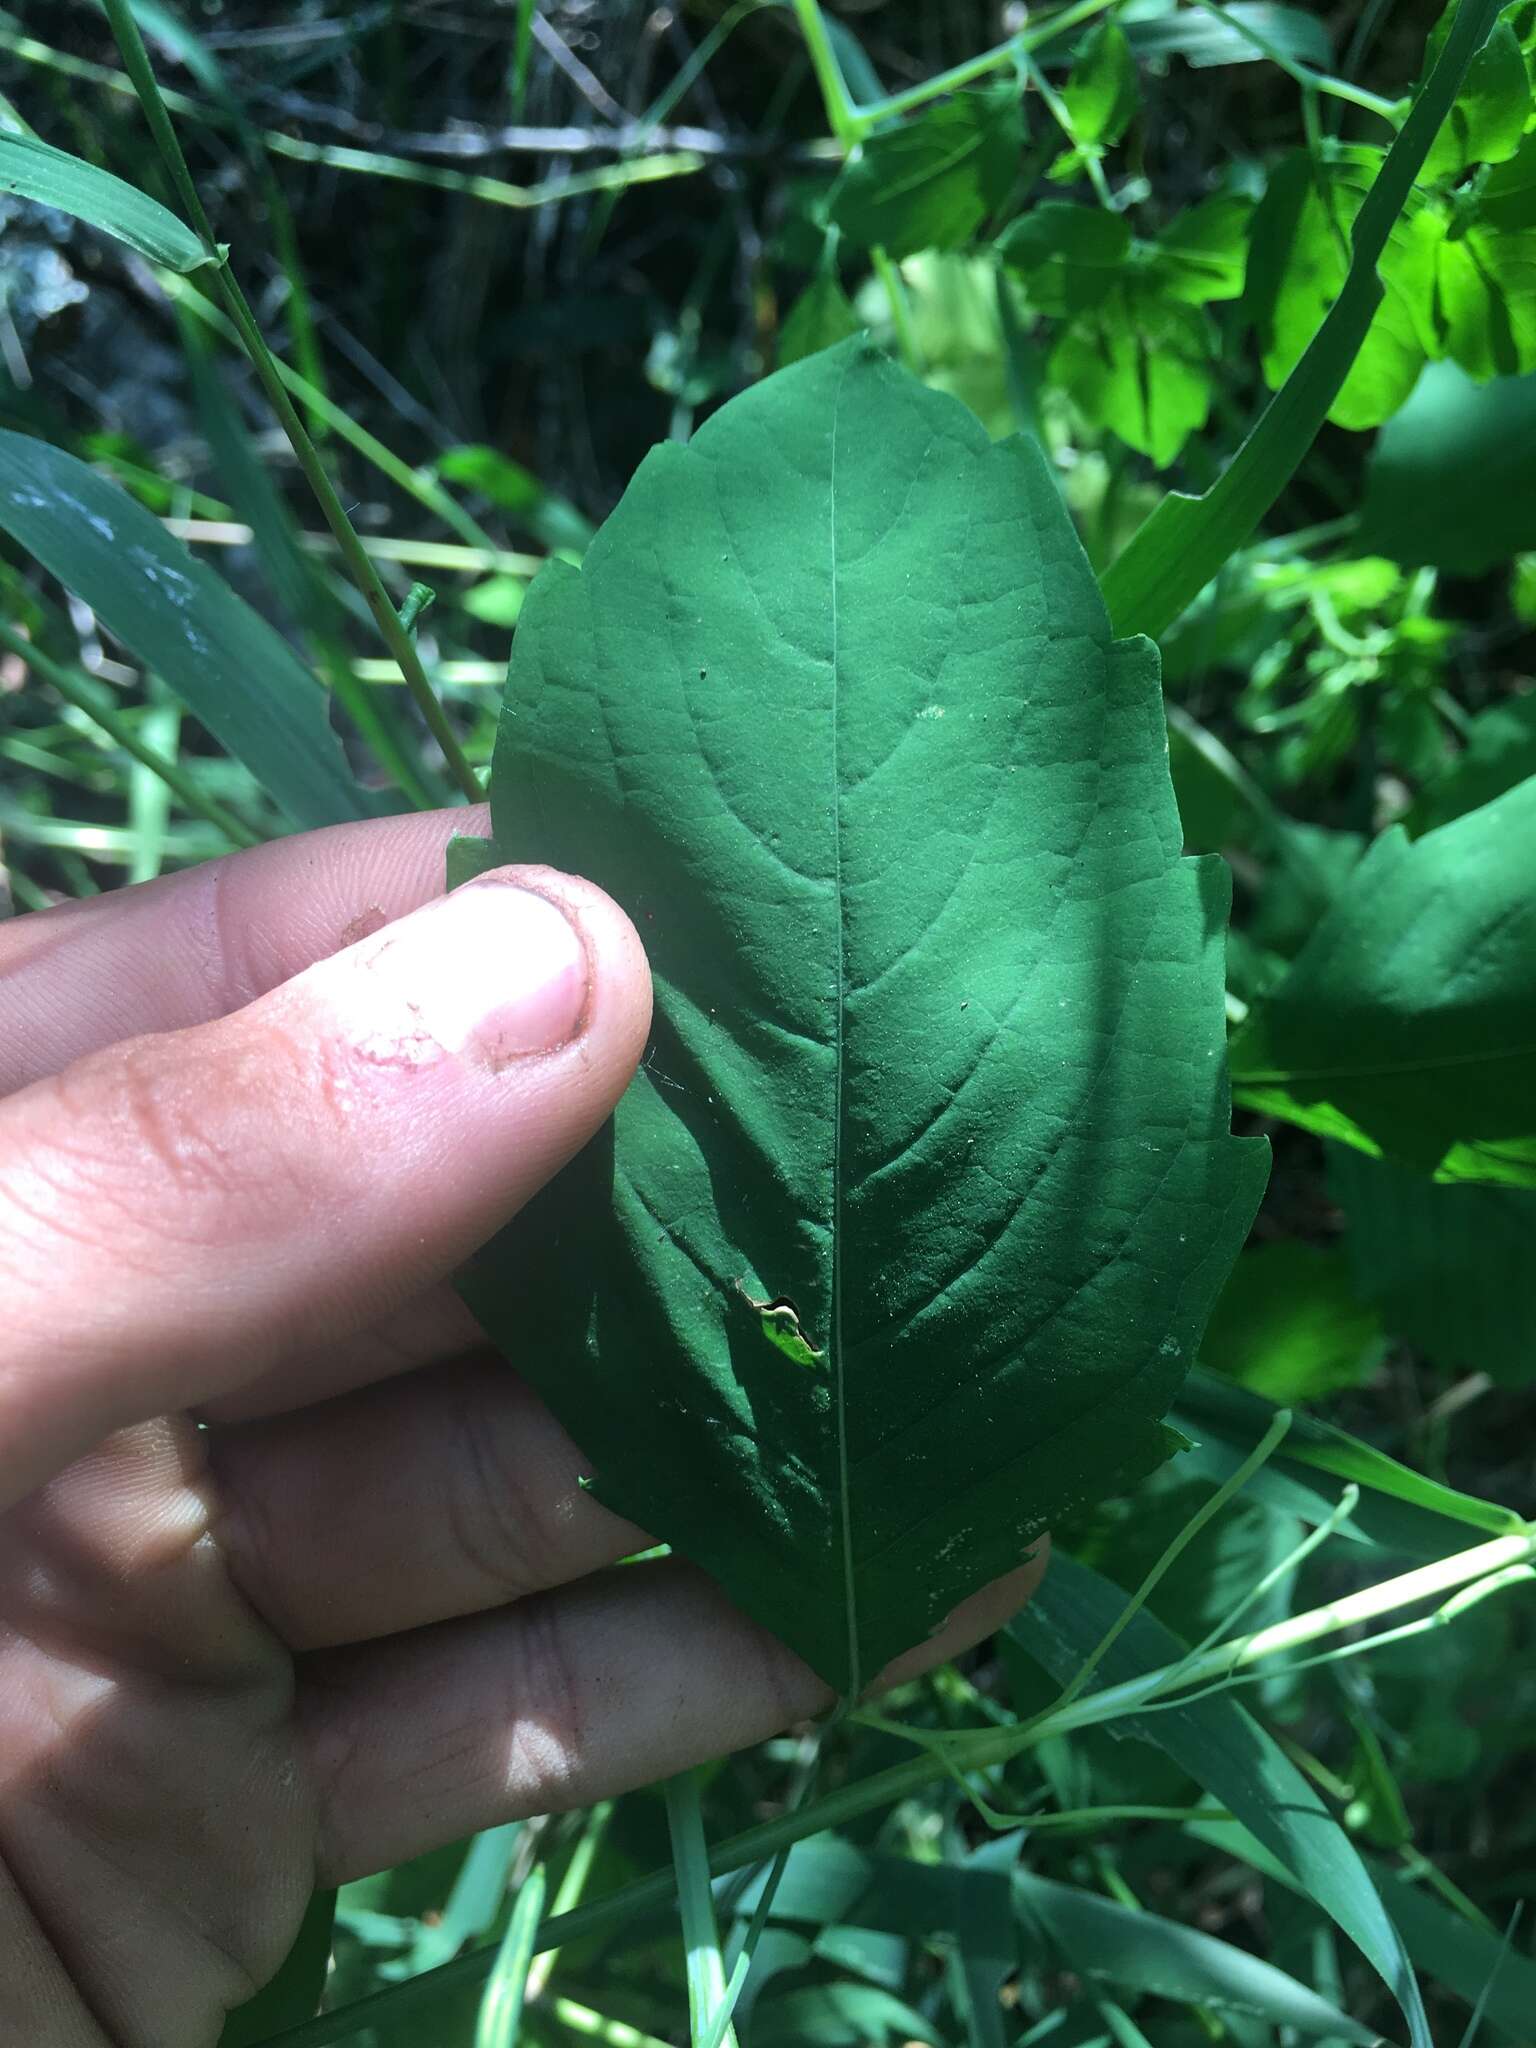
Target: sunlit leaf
1490,112
1142,366
906,1232
1101,93
1290,1326
1296,270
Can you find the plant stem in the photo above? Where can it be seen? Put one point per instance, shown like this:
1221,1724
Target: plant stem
366,577
979,1749
77,690
843,118
1317,81
696,1901
977,67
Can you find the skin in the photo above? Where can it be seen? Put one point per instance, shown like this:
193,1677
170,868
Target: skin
251,1119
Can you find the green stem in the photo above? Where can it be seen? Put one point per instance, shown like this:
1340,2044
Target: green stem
1318,81
843,118
975,1750
977,67
696,1902
366,577
77,690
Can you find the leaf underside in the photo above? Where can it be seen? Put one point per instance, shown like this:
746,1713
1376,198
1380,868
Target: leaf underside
833,711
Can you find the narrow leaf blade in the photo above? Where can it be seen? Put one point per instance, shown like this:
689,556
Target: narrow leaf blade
222,659
36,170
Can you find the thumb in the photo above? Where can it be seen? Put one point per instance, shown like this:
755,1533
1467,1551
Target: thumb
178,1211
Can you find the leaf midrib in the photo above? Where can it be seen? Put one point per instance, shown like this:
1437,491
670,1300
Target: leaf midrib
835,1339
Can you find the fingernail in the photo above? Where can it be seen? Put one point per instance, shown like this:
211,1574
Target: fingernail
491,969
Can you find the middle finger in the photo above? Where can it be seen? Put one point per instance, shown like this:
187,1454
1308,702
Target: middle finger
441,1494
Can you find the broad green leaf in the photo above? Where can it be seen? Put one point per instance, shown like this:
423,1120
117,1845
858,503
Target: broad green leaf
1101,94
1185,541
1224,1749
1490,112
1407,1024
905,1235
1202,254
1068,256
1299,260
223,660
1131,1950
1289,1326
36,170
930,183
1450,1268
1451,482
1142,366
820,318
1485,272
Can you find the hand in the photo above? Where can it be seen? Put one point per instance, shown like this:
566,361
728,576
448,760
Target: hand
253,1116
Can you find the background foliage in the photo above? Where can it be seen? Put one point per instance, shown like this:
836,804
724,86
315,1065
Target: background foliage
500,250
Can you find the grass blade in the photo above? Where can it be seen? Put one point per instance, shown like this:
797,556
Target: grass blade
227,665
1177,551
36,170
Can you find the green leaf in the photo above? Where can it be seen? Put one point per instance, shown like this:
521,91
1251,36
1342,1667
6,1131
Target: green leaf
1183,543
1296,270
294,1993
1464,1956
1407,1023
36,170
1449,1267
1485,272
839,2016
1224,1749
1208,40
1500,751
820,318
1289,1326
1102,95
222,659
1490,112
1452,479
1142,366
930,183
1132,1950
1202,254
832,709
1068,256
